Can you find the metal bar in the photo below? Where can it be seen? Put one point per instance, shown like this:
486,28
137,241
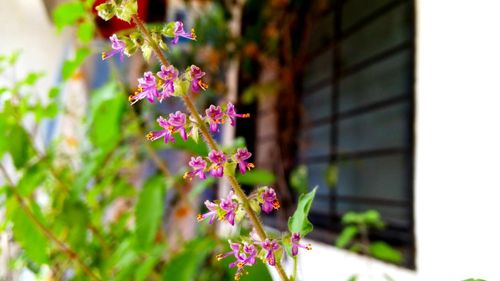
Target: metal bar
375,106
357,154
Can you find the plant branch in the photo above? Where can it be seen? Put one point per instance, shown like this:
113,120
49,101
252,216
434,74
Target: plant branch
212,145
64,248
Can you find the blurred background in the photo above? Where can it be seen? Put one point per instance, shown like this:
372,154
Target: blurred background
388,106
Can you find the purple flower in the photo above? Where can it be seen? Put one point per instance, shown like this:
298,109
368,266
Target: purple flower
270,246
196,83
270,201
230,207
231,113
217,158
177,121
117,45
245,257
179,32
241,155
146,89
168,75
166,133
212,212
199,165
296,245
215,117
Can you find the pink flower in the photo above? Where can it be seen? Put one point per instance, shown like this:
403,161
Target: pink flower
179,32
146,89
295,244
118,47
177,121
196,83
215,117
241,155
270,201
245,256
199,165
231,113
168,75
217,158
270,246
166,133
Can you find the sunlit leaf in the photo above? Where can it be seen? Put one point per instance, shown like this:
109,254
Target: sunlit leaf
68,13
384,251
85,31
299,221
70,66
346,236
149,211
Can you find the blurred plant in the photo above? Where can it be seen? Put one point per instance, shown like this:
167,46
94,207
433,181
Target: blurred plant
356,237
219,162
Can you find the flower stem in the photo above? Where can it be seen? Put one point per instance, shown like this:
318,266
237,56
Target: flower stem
213,146
64,248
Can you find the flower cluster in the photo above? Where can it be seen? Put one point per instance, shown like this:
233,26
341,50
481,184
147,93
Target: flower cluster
217,160
169,82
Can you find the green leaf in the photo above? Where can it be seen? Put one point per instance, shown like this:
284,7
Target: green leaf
32,78
125,10
70,66
474,279
257,177
146,51
298,179
19,146
54,92
4,142
68,13
75,211
353,278
299,222
145,268
346,236
258,272
149,211
384,251
107,111
32,178
28,235
372,218
85,31
106,11
186,265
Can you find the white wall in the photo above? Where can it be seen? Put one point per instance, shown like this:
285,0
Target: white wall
458,141
457,180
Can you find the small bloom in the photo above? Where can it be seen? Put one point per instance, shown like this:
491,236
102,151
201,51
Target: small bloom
270,246
146,89
166,133
117,45
179,32
196,83
270,201
168,75
217,158
229,206
211,214
295,244
199,165
244,257
241,155
231,113
215,117
177,121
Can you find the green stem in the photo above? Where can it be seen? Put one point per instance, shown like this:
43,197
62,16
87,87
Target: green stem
213,146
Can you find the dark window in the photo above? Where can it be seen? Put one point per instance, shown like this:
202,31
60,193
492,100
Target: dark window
357,124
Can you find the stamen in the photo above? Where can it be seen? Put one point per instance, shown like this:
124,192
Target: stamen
246,115
199,217
149,136
219,257
202,84
131,98
103,55
193,34
309,247
250,166
276,204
